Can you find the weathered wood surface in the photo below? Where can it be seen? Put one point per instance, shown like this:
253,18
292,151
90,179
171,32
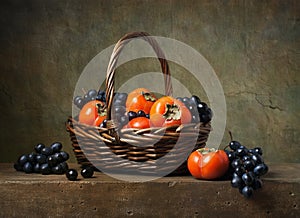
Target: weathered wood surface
34,195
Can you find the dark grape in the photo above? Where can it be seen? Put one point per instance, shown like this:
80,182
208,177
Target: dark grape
248,178
36,168
249,165
206,116
247,191
87,172
245,158
38,148
41,158
59,157
241,151
260,169
65,155
141,113
258,150
52,161
23,159
64,166
72,174
257,158
27,167
234,145
45,169
92,93
58,169
131,115
47,151
32,158
56,147
237,182
236,163
195,100
103,124
202,107
239,170
231,155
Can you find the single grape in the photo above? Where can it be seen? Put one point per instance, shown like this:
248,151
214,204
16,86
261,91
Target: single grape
56,147
260,169
47,151
92,93
64,166
141,113
87,172
249,165
234,145
239,170
103,124
131,115
32,158
202,107
257,159
36,168
65,155
248,178
237,182
23,159
27,167
45,169
72,174
236,163
247,191
52,161
258,150
41,158
241,151
195,100
58,169
38,148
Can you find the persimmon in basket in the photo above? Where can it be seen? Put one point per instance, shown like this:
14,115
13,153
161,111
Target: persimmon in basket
93,113
168,111
140,99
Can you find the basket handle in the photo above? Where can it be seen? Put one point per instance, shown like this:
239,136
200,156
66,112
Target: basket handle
110,73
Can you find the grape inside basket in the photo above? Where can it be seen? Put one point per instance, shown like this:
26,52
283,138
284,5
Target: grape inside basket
151,151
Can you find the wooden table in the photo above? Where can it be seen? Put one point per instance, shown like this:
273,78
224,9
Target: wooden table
35,195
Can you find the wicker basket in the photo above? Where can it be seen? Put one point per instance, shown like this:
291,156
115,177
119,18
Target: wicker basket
132,151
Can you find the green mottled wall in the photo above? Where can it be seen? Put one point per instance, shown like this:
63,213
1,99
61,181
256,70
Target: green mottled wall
253,47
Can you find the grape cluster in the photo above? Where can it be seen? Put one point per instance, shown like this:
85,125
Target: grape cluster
91,95
246,168
45,160
119,108
199,110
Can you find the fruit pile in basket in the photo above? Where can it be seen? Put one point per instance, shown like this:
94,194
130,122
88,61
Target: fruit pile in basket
141,109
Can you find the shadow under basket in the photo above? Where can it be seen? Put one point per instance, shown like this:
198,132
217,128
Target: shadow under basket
155,151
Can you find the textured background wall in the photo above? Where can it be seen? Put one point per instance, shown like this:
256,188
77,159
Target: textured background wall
252,45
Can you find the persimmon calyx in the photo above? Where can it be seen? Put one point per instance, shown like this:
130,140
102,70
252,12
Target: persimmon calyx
101,109
172,112
148,96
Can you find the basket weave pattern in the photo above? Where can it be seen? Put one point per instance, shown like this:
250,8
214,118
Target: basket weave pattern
114,148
